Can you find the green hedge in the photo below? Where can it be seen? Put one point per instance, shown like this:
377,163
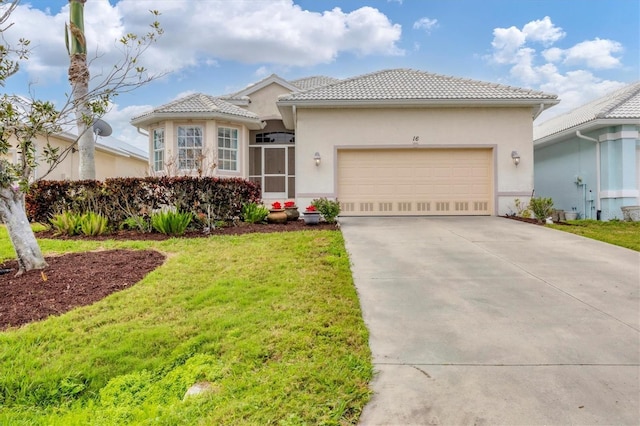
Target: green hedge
121,198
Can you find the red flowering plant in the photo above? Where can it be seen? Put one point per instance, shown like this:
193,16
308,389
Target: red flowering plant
289,204
276,205
311,208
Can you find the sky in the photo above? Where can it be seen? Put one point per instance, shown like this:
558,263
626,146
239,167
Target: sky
576,49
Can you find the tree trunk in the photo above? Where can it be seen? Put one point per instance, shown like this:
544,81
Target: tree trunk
79,79
13,214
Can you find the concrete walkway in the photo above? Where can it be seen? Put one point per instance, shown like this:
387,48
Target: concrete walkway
486,321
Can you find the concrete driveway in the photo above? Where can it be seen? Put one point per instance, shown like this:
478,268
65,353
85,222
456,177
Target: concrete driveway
485,320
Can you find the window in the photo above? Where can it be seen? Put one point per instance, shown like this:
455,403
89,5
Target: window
227,148
276,137
158,150
189,147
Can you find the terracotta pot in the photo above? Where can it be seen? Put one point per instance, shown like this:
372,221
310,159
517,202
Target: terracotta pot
277,216
292,213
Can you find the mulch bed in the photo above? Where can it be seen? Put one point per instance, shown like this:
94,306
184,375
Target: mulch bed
535,221
80,279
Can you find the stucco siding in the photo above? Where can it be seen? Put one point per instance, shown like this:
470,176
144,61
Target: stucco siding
327,130
559,168
107,164
263,101
209,147
567,172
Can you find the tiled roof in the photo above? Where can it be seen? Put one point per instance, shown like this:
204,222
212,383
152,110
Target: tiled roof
408,84
622,104
200,103
313,82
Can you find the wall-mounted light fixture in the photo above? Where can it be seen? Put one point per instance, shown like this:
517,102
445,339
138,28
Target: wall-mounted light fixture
515,157
316,158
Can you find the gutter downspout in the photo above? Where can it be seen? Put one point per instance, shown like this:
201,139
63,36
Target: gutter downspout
597,142
141,132
294,110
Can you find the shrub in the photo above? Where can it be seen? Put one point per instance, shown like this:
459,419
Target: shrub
122,198
136,222
254,213
92,224
522,210
328,209
541,207
66,223
171,222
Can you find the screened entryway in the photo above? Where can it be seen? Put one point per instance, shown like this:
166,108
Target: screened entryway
272,162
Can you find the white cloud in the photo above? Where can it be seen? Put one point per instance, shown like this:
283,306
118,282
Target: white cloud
523,68
543,31
506,43
596,54
425,24
119,120
276,32
553,54
262,72
575,88
556,70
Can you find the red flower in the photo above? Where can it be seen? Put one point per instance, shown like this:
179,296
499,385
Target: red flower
311,208
289,204
276,205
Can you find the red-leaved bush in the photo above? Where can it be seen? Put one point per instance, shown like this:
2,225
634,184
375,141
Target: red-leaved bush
121,198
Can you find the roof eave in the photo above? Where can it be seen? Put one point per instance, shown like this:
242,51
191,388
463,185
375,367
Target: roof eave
382,103
154,117
273,78
582,127
288,116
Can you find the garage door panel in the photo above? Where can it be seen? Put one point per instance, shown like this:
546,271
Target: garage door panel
415,182
442,172
460,172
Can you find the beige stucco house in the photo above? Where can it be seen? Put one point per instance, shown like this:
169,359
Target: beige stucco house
113,159
393,142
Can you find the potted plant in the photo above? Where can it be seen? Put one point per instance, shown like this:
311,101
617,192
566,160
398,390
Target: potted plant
329,209
311,216
291,210
277,213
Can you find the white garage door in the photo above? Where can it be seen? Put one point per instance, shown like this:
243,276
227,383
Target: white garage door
415,182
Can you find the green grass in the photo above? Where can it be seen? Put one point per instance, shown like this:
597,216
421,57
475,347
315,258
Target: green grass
272,320
624,234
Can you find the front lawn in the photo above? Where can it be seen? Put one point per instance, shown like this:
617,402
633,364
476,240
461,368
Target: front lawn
625,234
272,321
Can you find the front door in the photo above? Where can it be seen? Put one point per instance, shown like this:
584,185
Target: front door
273,167
275,172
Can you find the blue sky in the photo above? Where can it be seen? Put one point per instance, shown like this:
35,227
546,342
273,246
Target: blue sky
577,49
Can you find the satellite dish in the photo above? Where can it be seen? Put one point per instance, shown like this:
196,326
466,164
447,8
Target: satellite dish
101,128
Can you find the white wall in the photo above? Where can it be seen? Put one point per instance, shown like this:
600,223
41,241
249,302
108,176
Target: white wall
326,130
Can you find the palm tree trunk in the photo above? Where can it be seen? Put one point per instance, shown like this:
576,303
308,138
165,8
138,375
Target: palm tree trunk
79,79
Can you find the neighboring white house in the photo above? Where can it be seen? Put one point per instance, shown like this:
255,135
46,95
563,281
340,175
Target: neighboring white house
588,160
393,142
